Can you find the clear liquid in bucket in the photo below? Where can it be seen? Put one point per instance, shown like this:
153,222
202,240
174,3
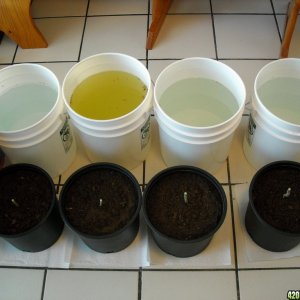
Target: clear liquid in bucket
198,102
281,96
108,95
25,105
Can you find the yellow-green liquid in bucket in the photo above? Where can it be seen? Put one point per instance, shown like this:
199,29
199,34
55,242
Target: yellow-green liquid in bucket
198,102
108,95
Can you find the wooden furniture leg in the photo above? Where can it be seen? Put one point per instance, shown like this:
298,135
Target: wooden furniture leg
292,16
160,9
16,22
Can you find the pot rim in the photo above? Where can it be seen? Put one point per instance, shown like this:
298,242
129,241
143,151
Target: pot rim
38,170
260,172
94,166
196,170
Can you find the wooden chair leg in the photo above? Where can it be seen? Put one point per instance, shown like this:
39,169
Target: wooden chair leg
160,9
16,22
292,16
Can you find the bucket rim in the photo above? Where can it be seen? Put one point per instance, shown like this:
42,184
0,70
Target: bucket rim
257,99
55,104
216,126
96,122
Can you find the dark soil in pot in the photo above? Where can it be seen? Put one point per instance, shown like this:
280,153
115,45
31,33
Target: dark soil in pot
100,202
184,206
29,215
276,197
25,199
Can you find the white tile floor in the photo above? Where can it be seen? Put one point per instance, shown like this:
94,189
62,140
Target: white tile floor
243,34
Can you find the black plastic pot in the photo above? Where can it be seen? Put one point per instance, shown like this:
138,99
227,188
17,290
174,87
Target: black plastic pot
45,233
262,232
1,159
103,242
174,245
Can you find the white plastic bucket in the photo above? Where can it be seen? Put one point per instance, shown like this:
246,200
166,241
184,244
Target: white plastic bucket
269,137
124,140
47,141
204,147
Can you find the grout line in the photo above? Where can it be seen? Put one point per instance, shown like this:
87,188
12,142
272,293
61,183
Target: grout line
219,58
57,189
58,17
169,14
232,183
44,62
238,183
277,25
233,231
107,269
44,284
153,269
214,29
223,14
58,185
188,270
15,54
144,176
83,30
188,13
49,62
270,269
140,284
247,59
244,14
22,267
163,59
118,15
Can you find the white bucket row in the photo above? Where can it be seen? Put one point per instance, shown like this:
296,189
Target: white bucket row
191,132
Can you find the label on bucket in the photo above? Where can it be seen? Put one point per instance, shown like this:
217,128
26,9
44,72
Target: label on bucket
251,130
145,133
66,136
